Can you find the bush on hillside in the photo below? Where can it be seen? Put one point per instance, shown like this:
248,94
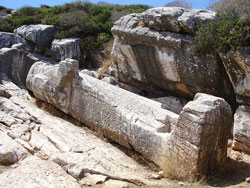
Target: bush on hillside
90,22
239,8
224,33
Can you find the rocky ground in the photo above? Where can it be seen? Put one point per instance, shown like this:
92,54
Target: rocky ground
42,147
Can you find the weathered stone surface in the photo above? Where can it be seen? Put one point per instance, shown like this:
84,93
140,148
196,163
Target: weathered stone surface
199,142
4,92
199,135
241,130
75,149
15,64
9,39
19,46
115,184
110,80
10,89
237,65
35,172
42,35
10,151
171,103
11,114
175,19
89,73
66,48
164,60
190,20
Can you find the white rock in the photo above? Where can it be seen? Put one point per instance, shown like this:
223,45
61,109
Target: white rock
10,150
42,35
237,65
66,48
171,103
241,129
9,39
115,184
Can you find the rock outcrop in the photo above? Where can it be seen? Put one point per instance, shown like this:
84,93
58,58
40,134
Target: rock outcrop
15,64
175,19
237,65
66,48
40,35
241,130
185,146
9,39
153,51
154,48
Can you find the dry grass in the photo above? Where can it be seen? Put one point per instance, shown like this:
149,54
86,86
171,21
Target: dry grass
104,67
108,60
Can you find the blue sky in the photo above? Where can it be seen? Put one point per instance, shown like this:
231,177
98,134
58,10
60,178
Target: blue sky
14,4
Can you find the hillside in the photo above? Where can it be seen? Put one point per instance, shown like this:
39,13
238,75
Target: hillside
90,22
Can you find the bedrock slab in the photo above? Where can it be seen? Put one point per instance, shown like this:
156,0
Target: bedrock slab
185,146
34,172
10,150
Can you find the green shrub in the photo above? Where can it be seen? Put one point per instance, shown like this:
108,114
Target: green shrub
224,33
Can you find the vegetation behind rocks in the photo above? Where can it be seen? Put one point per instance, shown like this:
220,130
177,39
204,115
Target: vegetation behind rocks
230,30
88,21
224,33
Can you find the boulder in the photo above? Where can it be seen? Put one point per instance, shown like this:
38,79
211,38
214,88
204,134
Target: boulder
9,39
66,48
241,129
15,64
198,135
237,65
41,35
175,19
6,16
164,60
190,20
19,46
10,150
